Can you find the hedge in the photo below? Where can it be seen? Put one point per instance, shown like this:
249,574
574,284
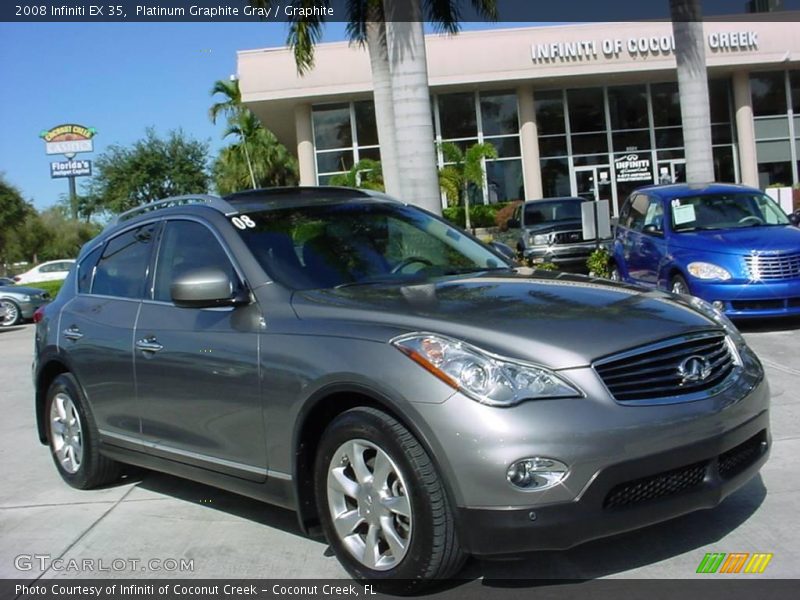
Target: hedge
481,215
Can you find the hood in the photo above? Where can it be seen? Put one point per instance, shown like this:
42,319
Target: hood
18,289
556,320
778,239
541,228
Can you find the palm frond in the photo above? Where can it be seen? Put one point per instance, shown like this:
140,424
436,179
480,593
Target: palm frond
451,153
304,34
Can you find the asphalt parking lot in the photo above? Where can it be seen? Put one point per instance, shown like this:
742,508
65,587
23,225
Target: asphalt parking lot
154,516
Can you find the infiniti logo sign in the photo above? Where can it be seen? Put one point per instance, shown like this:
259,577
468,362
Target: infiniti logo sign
694,369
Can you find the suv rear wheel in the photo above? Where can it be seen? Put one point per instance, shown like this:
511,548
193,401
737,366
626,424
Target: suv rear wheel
383,507
73,437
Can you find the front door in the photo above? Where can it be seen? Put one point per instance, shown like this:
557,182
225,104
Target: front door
197,368
672,171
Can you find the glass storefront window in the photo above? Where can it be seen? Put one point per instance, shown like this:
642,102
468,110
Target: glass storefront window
719,100
589,143
370,153
777,173
669,137
507,147
721,134
328,162
499,114
332,127
586,112
504,180
628,141
457,115
794,84
553,145
366,129
627,105
549,112
769,93
555,177
724,169
666,104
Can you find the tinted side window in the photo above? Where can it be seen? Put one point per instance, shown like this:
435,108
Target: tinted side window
637,212
655,215
122,269
86,270
187,246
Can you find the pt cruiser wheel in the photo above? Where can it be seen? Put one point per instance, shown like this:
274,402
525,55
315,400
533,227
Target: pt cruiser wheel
73,437
383,507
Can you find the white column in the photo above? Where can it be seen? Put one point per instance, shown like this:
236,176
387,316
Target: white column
745,131
305,145
529,143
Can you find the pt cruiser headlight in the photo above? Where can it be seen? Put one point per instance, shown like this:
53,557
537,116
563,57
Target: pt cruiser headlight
704,270
485,377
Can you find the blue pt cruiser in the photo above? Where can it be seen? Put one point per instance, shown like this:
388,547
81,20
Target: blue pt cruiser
730,245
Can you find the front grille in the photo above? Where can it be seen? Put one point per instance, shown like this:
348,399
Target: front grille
669,369
664,484
772,268
567,237
737,459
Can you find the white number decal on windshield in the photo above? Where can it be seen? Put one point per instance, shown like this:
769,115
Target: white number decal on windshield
243,222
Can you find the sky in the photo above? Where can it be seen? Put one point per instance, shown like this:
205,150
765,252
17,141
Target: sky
119,78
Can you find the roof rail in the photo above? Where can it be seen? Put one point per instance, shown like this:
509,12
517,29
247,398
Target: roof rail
214,202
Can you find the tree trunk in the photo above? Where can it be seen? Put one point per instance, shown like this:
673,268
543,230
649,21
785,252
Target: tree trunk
467,220
384,105
408,66
249,164
690,56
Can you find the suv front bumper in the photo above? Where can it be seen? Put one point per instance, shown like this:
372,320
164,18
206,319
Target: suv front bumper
626,496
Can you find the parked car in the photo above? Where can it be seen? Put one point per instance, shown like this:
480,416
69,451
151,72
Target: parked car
729,244
390,377
18,303
550,231
47,271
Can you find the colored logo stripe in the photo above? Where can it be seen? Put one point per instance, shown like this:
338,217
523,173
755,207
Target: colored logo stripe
714,562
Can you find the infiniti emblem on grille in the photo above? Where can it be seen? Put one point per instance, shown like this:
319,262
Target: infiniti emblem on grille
694,369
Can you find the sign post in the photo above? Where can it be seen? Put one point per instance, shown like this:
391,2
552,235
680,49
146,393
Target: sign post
69,139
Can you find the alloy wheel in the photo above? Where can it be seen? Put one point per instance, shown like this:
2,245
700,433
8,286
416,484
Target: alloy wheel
9,313
369,505
66,432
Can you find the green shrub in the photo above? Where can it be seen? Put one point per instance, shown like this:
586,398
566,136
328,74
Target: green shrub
51,287
481,215
599,263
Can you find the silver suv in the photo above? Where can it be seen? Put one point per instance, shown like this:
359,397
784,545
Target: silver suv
391,379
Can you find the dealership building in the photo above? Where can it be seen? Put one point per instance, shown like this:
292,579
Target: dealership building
589,109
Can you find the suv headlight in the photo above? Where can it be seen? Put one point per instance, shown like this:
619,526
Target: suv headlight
704,270
485,377
540,239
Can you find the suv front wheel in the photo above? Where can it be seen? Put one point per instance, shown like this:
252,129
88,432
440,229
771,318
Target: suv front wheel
73,437
383,507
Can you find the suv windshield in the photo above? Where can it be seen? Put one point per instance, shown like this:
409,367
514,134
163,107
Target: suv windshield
725,211
541,213
350,243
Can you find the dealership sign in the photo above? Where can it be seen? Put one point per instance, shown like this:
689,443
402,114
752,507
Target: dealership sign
641,47
633,168
70,168
68,139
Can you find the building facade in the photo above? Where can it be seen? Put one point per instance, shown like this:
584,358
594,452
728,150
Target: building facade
589,109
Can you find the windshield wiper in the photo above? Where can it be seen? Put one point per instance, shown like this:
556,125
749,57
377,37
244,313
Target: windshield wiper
377,281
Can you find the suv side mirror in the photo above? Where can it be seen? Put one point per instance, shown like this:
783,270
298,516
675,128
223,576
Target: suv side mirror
204,288
794,218
513,224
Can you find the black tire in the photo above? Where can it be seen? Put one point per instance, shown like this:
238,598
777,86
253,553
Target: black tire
677,282
614,273
433,550
9,319
94,469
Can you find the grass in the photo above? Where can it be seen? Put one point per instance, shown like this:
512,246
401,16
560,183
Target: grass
51,286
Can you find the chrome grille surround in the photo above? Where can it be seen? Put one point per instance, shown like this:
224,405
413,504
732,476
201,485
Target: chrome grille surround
772,267
662,373
567,237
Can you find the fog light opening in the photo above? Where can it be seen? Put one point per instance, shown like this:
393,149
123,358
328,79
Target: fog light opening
534,474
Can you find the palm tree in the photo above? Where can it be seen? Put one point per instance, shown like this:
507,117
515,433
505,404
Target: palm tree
687,27
237,114
400,80
464,168
366,174
257,159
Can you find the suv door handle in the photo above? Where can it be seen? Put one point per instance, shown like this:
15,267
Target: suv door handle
149,344
73,333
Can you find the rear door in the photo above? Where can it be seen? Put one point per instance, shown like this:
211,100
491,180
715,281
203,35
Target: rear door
96,327
197,368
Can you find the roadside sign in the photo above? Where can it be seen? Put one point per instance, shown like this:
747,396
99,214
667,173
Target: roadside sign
70,168
68,139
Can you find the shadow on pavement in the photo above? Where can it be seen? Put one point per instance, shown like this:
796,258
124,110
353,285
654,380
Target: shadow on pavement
11,328
765,325
595,559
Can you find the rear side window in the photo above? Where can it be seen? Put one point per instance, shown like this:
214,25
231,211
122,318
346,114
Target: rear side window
122,269
636,212
86,271
187,246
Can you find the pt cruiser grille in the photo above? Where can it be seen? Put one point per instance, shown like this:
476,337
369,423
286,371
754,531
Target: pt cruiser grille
672,370
772,268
